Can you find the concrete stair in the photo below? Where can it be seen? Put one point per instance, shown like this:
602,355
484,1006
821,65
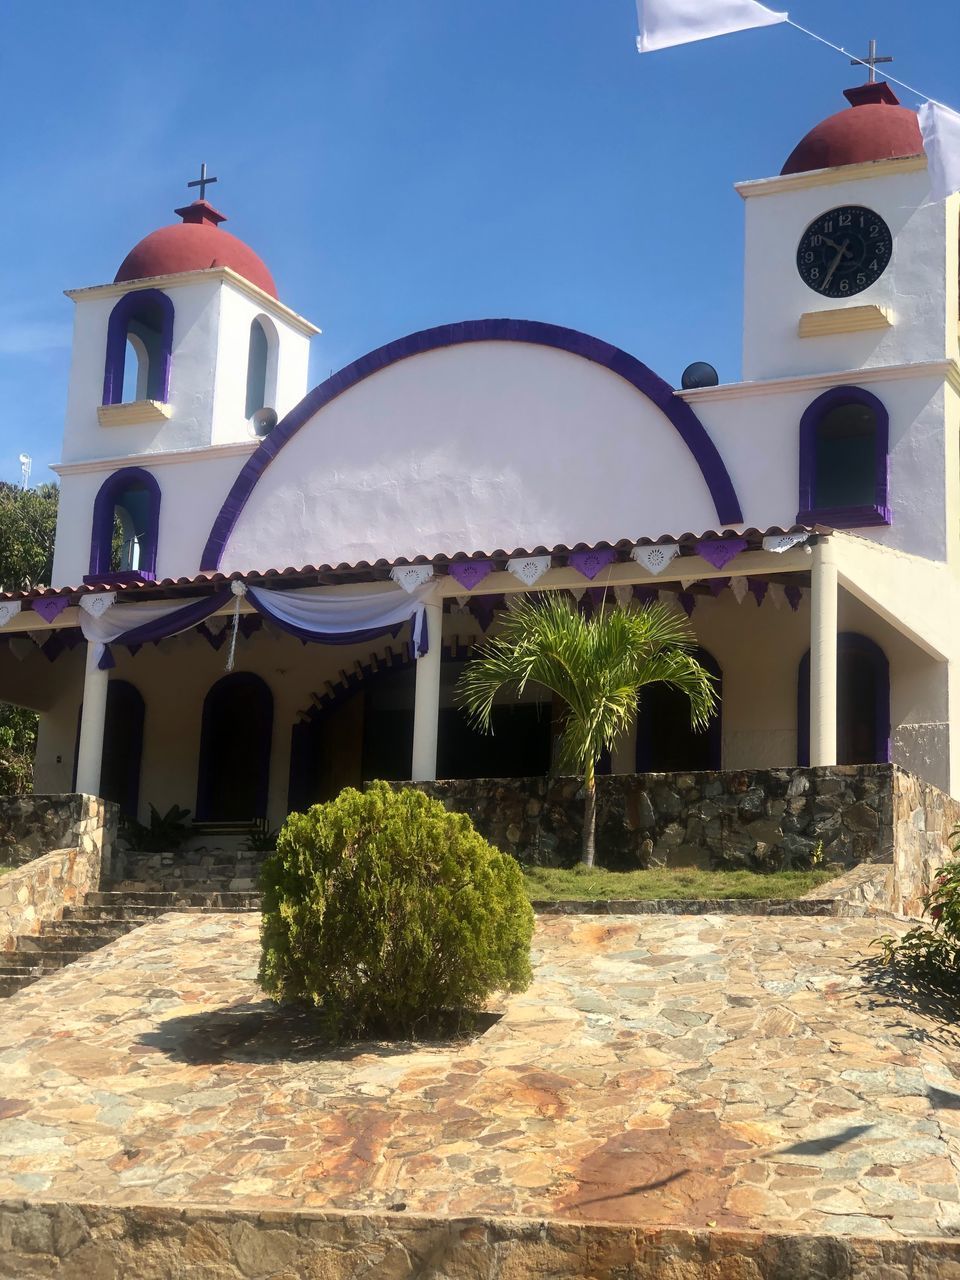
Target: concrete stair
104,917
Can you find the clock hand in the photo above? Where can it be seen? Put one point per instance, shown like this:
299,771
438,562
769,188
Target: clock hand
841,250
833,245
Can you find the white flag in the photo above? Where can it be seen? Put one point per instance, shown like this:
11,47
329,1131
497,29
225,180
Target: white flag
668,22
941,140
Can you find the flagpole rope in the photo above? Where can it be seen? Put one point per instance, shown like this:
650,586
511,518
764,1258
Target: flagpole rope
847,54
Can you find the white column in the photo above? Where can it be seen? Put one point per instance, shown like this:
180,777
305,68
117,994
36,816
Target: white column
823,655
90,754
426,706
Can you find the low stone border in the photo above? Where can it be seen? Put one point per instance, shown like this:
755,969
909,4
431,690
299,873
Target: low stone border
689,907
150,1242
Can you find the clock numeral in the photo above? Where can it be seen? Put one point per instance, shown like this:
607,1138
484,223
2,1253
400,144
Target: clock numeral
874,229
862,279
816,242
815,273
828,227
809,257
874,265
846,219
844,286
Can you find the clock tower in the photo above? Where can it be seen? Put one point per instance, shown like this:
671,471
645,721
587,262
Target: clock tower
849,264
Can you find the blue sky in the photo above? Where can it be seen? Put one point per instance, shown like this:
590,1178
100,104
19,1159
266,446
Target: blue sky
403,163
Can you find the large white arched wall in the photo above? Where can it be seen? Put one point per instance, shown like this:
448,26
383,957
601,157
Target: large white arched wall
475,447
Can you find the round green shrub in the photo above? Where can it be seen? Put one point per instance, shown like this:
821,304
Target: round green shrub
391,915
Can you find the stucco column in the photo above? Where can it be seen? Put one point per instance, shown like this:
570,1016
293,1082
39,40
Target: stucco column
90,753
823,655
426,706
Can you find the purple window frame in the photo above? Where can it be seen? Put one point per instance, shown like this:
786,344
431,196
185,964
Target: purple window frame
101,541
660,393
117,328
848,642
852,517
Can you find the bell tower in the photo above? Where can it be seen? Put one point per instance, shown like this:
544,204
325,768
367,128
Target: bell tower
848,262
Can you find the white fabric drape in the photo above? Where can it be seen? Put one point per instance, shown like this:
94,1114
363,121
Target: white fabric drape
103,628
664,23
941,140
316,612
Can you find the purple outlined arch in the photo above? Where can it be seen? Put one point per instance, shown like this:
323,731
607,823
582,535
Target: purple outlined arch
626,366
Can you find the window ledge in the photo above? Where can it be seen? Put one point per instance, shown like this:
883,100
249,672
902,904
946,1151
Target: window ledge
847,517
133,413
822,324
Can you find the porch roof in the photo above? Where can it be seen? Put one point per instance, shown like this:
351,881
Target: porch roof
135,588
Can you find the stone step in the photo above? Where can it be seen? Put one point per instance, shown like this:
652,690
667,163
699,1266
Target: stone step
51,960
56,942
10,984
15,962
137,915
211,884
72,928
171,901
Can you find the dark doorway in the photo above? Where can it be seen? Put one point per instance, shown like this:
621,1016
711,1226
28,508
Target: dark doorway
863,703
235,750
122,746
665,741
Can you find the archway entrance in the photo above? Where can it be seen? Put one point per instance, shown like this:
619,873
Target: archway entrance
235,750
863,703
665,741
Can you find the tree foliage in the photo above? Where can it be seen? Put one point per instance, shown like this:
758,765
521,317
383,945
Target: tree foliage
596,666
391,915
28,520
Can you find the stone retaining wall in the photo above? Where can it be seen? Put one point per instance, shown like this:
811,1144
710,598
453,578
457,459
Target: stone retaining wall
763,819
80,1242
923,819
46,878
227,870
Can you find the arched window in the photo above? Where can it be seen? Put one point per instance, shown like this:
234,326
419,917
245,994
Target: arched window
140,327
126,523
261,366
863,703
844,464
235,738
666,743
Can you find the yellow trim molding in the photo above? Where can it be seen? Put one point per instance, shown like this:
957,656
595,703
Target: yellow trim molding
133,413
829,177
820,324
225,274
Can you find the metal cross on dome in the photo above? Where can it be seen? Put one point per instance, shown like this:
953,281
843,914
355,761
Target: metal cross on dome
203,181
871,61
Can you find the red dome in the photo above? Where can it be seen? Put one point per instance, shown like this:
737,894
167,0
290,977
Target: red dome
875,127
192,245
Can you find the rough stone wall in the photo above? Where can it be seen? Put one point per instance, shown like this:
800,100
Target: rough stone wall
90,1242
924,818
759,819
223,869
45,880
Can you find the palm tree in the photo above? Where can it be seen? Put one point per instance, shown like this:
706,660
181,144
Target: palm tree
596,667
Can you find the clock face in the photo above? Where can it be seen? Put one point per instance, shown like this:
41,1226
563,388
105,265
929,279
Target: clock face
844,251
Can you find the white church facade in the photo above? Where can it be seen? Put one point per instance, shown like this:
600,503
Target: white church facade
345,545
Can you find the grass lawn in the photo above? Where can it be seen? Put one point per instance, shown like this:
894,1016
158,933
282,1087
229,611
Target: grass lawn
595,884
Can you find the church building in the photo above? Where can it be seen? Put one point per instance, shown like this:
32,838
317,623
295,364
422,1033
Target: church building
264,592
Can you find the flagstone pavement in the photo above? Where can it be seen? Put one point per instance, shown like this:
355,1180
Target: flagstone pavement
731,1071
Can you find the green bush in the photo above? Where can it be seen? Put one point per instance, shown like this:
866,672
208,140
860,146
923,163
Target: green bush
391,915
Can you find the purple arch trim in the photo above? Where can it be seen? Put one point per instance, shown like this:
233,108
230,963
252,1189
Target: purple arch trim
628,367
101,542
844,517
117,326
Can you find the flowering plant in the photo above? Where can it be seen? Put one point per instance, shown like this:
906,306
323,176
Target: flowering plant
933,953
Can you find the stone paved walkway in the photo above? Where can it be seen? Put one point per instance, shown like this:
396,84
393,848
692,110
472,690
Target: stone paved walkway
696,1070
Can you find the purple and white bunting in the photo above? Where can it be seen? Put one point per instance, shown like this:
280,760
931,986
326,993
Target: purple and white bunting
589,563
50,607
655,558
720,551
411,576
780,542
528,569
469,573
8,611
